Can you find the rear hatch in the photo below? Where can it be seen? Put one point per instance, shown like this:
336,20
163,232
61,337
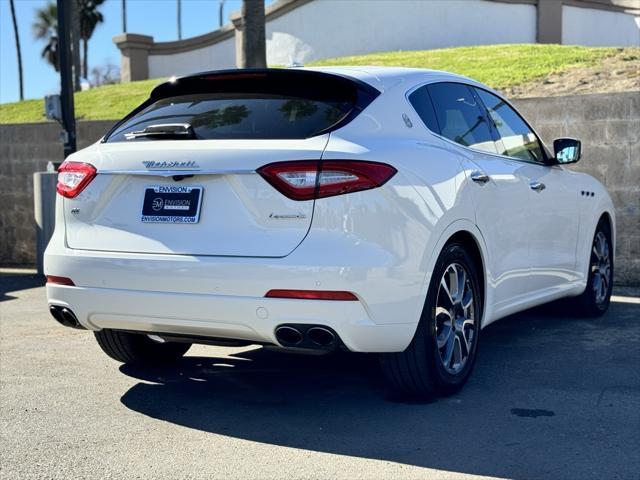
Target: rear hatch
178,175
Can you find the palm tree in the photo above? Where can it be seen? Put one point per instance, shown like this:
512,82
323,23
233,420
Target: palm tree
15,31
90,17
74,28
253,37
45,28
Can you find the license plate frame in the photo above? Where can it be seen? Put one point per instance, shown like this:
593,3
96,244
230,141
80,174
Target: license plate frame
172,204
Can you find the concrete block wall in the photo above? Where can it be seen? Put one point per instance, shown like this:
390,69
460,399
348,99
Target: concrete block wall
608,125
25,149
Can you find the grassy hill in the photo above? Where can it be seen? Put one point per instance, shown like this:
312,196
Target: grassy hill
103,103
512,68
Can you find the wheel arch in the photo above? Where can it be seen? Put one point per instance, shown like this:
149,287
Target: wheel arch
467,233
607,217
471,245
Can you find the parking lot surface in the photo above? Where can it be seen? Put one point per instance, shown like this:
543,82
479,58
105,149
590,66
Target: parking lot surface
552,396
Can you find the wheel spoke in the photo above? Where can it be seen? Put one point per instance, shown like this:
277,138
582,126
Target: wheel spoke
444,336
448,353
464,344
457,355
467,298
605,252
461,280
448,299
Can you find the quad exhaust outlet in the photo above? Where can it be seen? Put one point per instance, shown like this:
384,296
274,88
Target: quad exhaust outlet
65,316
316,337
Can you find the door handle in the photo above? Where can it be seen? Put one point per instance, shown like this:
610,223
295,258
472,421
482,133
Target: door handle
480,177
537,186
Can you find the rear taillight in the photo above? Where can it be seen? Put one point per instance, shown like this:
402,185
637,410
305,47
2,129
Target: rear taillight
309,179
73,177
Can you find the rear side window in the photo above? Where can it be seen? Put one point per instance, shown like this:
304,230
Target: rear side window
258,105
460,117
518,139
422,104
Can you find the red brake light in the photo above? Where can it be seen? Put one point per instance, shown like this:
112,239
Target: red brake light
73,177
309,179
312,295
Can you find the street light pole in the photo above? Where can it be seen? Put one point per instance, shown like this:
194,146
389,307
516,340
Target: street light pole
66,76
221,14
179,20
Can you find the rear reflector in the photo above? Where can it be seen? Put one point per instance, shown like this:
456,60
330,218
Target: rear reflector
60,280
73,177
309,179
312,295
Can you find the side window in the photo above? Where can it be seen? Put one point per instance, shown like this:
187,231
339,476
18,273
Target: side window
460,117
517,138
423,106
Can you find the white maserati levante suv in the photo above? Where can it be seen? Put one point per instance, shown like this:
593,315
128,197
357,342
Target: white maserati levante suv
387,210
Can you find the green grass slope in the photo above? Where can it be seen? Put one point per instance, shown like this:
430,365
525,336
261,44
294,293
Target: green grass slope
499,66
103,103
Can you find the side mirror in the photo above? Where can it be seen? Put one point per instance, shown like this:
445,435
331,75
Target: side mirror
567,150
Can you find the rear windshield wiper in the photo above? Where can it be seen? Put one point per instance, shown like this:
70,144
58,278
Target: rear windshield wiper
164,131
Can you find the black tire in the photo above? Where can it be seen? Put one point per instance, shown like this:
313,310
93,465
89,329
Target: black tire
588,304
419,372
139,349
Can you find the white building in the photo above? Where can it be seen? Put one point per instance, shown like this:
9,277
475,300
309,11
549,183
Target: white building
300,31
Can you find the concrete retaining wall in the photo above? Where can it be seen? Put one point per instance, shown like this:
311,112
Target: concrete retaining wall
25,149
609,127
608,124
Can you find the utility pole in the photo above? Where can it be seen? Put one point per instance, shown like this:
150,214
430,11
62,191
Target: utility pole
221,13
179,20
124,16
66,76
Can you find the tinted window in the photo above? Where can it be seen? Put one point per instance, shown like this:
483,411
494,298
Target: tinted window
423,106
517,138
460,117
241,116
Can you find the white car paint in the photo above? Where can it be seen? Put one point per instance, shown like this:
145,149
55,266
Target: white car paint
210,279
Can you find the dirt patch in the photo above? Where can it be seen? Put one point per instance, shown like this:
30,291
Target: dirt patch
618,73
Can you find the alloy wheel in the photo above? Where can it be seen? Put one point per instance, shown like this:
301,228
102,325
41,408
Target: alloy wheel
601,267
455,318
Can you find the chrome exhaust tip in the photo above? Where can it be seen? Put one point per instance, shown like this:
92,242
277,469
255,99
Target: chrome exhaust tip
288,336
321,336
65,317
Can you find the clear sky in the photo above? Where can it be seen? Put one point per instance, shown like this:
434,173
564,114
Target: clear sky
150,17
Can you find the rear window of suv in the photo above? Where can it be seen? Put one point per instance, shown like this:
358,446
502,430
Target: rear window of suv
241,116
268,105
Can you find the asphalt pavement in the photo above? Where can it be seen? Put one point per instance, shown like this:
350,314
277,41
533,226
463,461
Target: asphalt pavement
552,396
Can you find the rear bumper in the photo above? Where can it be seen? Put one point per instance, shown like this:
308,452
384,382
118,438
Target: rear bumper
236,317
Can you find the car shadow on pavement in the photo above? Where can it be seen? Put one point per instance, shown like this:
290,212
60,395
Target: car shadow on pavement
13,282
549,398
